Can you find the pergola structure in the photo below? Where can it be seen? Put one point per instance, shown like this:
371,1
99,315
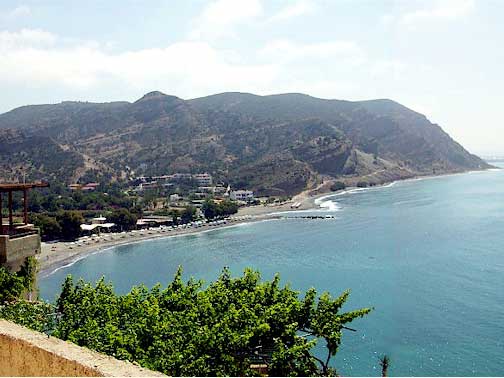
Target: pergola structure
9,189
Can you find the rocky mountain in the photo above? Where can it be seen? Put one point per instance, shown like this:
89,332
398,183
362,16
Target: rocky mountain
277,144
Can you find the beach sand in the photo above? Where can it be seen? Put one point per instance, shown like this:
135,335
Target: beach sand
57,254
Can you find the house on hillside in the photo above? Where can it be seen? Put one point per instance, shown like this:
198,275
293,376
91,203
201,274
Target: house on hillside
242,195
203,179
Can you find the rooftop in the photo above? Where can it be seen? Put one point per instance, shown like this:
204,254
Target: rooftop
10,187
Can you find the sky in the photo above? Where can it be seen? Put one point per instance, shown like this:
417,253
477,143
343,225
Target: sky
442,58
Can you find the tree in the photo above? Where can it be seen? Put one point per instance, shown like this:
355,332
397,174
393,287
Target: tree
123,218
219,329
188,215
50,229
212,209
14,285
70,222
175,214
338,185
11,286
227,207
209,209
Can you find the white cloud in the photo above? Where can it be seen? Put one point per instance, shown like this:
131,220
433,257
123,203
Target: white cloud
221,17
299,8
19,11
288,51
443,10
26,38
184,68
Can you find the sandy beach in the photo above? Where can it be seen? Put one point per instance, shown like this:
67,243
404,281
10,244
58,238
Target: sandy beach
57,254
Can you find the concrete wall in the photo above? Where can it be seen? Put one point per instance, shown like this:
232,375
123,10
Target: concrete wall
27,353
14,251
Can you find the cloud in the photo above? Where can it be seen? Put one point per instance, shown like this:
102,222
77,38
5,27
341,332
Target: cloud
443,10
299,8
184,68
289,51
221,17
26,38
19,11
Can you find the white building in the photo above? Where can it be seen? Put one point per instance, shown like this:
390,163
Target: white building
242,195
203,179
175,198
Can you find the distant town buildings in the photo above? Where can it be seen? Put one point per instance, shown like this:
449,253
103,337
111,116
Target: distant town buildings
167,181
90,187
175,198
242,195
203,179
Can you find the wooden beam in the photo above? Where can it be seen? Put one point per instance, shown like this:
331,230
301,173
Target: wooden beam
1,219
11,221
25,206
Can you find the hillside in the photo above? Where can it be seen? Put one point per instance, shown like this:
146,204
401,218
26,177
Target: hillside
277,144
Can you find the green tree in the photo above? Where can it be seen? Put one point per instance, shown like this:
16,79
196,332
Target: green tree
188,329
227,207
50,229
209,209
11,286
70,222
123,218
188,215
175,214
212,209
14,285
338,185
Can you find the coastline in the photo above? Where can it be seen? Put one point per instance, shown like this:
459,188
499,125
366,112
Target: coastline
57,255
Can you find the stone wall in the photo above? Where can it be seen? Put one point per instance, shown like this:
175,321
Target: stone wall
14,251
27,353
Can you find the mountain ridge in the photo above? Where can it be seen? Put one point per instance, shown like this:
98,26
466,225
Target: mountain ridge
276,144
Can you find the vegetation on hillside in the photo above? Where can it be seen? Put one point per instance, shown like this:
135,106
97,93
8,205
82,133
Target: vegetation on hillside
275,145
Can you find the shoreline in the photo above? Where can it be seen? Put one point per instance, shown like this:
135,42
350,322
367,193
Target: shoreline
58,255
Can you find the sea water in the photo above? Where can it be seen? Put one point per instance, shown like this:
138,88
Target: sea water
428,255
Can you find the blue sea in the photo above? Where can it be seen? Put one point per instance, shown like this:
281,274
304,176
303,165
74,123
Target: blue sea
428,255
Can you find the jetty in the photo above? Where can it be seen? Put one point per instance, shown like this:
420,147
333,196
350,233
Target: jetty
309,217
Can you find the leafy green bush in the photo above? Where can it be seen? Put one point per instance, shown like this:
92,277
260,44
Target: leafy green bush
70,222
34,315
212,209
11,286
123,218
338,185
187,330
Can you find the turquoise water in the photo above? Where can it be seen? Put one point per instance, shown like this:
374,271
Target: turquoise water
428,255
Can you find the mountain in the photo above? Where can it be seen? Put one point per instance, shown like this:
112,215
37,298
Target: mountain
280,144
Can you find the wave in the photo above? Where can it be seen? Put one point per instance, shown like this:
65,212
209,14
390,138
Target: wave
77,258
330,206
417,201
73,260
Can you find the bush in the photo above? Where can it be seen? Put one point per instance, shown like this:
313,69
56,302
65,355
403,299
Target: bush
50,229
70,222
11,286
362,184
338,185
124,219
191,329
212,209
